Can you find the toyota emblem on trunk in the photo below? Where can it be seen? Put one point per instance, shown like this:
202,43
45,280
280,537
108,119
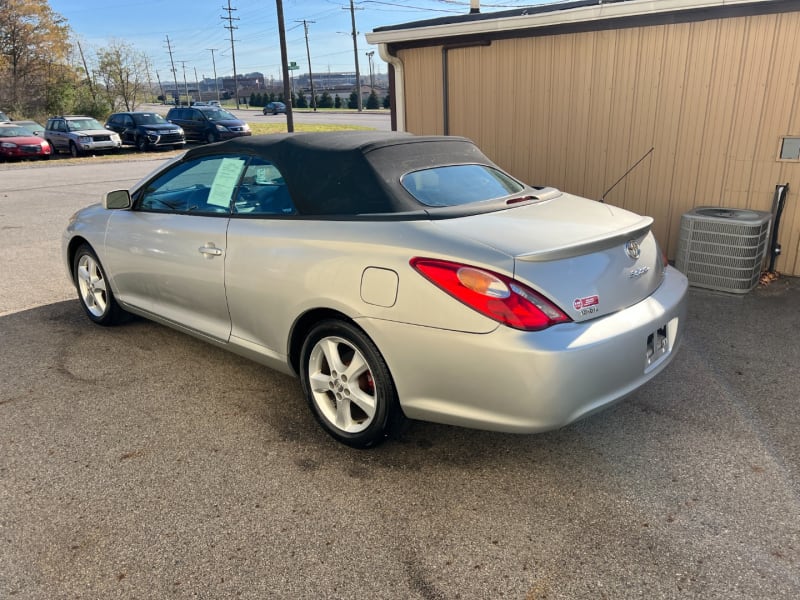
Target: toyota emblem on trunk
633,249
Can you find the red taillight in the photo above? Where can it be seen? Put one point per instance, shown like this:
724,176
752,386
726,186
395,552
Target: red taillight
498,297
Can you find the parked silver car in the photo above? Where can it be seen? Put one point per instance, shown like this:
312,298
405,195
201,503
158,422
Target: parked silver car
80,135
397,276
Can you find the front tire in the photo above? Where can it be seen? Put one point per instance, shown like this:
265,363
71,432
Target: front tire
94,290
348,385
142,144
211,137
74,150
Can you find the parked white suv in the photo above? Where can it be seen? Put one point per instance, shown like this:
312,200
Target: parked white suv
79,135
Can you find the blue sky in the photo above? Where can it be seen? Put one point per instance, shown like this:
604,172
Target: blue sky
196,26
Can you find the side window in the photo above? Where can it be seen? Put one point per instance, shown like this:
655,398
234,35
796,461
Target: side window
263,191
127,121
202,186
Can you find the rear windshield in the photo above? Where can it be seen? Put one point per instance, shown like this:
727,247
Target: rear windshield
455,185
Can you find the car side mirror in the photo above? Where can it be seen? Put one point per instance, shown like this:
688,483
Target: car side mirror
118,199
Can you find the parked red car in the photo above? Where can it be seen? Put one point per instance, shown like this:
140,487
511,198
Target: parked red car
18,142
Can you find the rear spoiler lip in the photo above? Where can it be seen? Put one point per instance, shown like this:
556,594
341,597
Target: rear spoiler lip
635,231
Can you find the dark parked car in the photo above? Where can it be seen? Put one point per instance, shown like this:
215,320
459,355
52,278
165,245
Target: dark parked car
208,123
395,275
146,130
274,108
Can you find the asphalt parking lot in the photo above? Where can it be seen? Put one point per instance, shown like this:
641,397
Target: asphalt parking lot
137,462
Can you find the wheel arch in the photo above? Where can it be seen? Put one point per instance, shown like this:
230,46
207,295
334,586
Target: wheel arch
72,250
304,324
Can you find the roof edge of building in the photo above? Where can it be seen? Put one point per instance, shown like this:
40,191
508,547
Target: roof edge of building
543,16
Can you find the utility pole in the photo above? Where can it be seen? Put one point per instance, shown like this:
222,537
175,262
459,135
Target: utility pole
214,63
230,27
89,75
149,79
161,87
285,68
355,53
174,71
310,75
197,83
185,86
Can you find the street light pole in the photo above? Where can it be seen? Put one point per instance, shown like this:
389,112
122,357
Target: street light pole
370,54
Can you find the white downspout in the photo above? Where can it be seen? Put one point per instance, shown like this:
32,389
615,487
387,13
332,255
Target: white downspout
399,85
474,6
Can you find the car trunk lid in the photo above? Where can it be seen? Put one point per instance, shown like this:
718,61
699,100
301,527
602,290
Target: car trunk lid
590,258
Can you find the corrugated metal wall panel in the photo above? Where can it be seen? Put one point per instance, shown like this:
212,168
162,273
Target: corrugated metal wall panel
577,110
691,101
423,87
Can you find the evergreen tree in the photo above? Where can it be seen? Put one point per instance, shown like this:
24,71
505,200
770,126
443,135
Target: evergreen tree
353,102
337,102
372,101
325,101
387,101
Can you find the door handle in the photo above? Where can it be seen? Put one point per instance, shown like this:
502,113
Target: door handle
210,250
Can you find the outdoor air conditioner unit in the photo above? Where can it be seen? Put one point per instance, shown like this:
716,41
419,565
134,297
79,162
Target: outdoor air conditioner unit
723,248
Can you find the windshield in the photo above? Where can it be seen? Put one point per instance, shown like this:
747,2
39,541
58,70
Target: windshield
217,114
83,124
455,185
14,132
149,119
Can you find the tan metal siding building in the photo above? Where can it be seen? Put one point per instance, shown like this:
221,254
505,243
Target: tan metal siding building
572,98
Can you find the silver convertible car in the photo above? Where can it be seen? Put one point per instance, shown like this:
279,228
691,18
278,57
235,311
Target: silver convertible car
398,276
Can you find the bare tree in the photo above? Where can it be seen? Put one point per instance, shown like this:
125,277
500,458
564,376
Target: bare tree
123,72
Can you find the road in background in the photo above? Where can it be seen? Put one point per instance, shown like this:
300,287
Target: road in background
375,119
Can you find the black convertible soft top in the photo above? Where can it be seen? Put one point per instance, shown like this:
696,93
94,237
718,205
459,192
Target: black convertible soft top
351,173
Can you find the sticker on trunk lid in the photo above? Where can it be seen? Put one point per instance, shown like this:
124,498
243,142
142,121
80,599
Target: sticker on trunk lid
587,305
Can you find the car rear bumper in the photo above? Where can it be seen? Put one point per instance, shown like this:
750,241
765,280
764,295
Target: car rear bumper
526,382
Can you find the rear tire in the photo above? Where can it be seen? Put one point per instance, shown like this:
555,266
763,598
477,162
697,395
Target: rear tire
348,385
94,289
